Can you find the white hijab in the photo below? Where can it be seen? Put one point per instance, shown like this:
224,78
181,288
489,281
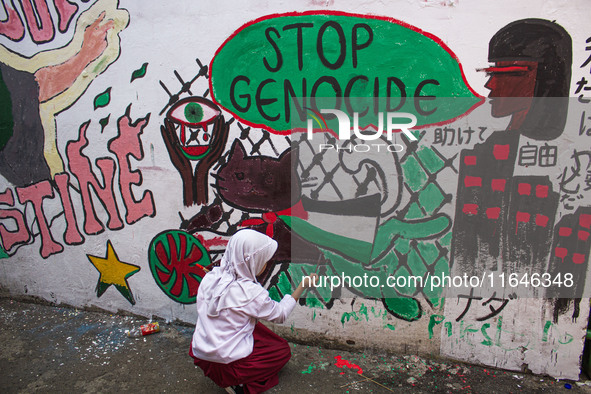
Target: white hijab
234,281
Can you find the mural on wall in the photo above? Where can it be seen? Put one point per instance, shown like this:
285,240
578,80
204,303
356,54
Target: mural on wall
504,222
125,145
113,272
491,222
233,132
411,235
195,131
37,171
259,191
13,26
178,262
37,88
34,89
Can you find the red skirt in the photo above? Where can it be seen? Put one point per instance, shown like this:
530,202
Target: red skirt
258,371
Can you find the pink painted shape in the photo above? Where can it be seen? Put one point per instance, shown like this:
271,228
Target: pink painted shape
470,209
542,220
470,160
493,213
127,143
565,231
542,191
585,220
43,32
65,12
501,152
12,27
72,235
524,189
345,363
21,234
472,181
521,217
578,258
35,194
80,167
583,235
498,185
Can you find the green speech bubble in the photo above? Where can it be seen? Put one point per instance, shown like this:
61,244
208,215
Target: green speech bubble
267,62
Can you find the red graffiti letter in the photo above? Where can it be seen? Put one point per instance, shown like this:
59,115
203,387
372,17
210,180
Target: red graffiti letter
35,194
126,144
21,234
81,168
72,235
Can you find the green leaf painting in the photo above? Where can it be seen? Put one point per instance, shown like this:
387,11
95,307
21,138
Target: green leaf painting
103,99
139,73
104,122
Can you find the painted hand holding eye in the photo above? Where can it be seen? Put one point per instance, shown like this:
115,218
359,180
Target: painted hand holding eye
194,120
194,130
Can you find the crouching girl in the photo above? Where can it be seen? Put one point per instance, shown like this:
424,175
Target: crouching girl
231,347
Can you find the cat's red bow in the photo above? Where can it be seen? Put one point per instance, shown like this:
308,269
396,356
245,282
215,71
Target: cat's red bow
271,217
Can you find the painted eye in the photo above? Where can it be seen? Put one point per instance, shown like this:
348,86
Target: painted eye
239,175
269,179
193,119
193,111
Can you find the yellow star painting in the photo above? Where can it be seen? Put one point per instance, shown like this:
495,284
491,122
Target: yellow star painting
113,272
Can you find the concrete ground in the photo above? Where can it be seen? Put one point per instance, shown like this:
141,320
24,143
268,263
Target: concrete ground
49,349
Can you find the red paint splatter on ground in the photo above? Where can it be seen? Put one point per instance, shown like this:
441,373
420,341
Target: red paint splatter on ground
345,363
493,213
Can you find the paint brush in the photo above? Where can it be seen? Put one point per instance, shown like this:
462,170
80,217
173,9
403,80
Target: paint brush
202,267
318,264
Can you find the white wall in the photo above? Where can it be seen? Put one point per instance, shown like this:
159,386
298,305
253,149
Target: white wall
169,37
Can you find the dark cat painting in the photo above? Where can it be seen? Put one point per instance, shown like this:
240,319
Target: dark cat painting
258,184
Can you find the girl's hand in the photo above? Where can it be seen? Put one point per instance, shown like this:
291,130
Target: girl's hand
310,281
